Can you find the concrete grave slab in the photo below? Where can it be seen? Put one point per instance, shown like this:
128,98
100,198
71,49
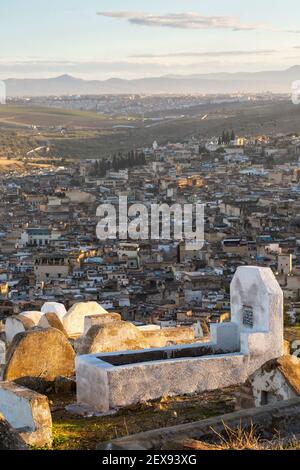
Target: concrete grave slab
27,412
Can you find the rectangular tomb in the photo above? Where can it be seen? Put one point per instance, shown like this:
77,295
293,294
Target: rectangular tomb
237,349
111,381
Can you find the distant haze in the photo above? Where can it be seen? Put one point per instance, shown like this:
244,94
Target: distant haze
218,83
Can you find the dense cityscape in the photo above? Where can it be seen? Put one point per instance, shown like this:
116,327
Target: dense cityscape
149,232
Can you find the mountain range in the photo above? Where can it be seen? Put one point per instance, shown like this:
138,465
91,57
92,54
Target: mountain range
217,83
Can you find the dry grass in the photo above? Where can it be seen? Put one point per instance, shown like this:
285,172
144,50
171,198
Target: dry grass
243,439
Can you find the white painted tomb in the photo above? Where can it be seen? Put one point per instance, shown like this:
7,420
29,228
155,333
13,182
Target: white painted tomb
54,307
73,321
238,348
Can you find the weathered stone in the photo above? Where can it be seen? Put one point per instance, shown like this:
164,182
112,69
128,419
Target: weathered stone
74,319
33,315
39,354
102,319
17,324
168,336
28,412
9,437
55,307
52,320
116,336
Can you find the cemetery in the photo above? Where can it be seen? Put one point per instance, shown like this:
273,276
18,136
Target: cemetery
113,364
238,348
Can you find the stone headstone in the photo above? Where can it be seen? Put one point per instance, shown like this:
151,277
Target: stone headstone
17,324
257,310
103,319
28,412
52,320
32,315
39,355
116,336
74,319
54,307
9,437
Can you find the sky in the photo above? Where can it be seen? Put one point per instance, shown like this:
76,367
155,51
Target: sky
100,39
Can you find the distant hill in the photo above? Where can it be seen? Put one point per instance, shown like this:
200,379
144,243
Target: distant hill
272,81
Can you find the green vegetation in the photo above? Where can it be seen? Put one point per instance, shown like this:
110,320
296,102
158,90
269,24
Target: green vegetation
83,135
118,162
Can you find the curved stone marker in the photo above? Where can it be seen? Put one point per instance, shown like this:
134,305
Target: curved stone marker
257,308
116,336
38,356
17,324
74,319
32,315
52,320
54,307
9,438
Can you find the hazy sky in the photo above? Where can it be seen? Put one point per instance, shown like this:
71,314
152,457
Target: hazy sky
135,38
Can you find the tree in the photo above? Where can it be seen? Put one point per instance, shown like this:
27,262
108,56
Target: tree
223,137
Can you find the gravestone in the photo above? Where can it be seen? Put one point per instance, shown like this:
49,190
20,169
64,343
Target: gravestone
74,319
257,310
17,324
103,319
32,315
28,412
116,336
38,356
54,307
237,349
52,320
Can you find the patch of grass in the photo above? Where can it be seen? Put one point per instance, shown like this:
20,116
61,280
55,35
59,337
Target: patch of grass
73,432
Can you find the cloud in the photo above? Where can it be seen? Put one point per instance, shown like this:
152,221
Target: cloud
92,68
206,54
189,20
